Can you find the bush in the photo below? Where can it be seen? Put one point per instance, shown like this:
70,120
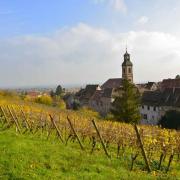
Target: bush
89,112
28,98
61,104
47,100
170,120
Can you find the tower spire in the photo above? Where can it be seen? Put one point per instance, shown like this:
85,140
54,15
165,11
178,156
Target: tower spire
127,67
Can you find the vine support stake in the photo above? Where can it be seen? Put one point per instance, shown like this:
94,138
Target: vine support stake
4,114
72,128
56,127
142,148
14,119
25,119
100,137
169,163
15,115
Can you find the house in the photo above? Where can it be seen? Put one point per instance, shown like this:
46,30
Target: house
102,100
84,95
170,83
69,99
150,109
112,83
34,94
156,103
150,86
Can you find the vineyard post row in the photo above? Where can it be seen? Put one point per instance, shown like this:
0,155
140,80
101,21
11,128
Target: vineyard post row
10,117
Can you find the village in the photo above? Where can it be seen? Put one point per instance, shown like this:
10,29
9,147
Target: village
156,97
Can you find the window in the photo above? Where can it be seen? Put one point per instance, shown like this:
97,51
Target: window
124,70
129,70
148,107
142,107
145,116
154,108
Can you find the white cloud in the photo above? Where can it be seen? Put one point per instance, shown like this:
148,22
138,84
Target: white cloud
118,5
143,20
85,54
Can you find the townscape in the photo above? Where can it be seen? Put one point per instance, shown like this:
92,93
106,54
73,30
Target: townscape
157,98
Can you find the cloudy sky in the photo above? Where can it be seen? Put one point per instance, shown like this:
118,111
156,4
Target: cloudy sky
49,42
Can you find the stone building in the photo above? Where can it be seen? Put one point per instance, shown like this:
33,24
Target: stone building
84,95
127,68
156,103
170,83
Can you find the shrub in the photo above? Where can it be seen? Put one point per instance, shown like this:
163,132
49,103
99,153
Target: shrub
44,99
170,120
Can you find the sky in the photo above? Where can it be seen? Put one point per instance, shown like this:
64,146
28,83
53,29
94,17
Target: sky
77,42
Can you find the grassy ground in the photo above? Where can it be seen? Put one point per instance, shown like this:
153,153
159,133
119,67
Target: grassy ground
30,156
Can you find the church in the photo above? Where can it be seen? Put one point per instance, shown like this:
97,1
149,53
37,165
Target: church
103,96
127,73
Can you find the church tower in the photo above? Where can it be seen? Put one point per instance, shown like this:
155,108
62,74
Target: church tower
127,68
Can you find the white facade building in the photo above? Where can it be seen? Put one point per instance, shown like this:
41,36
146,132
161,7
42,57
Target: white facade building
150,114
156,103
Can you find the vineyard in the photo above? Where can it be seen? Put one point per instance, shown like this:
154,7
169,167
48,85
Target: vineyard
158,149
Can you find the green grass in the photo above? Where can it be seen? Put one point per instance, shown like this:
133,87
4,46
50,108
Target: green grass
31,156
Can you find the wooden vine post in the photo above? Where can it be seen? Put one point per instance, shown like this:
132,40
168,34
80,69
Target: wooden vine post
56,127
170,160
4,114
14,119
14,112
25,119
72,128
100,137
142,148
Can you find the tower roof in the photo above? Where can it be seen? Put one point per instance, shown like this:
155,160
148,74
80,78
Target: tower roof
127,61
126,53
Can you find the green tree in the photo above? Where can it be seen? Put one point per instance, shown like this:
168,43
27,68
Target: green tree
76,105
170,120
177,77
125,107
52,94
59,90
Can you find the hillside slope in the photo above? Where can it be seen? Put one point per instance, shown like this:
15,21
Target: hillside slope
34,157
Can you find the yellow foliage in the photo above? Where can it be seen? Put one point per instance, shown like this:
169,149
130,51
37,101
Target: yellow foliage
44,99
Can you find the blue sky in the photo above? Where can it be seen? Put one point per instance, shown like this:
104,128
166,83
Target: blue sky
48,42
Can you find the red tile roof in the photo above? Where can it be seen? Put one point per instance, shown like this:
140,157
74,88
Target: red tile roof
112,83
170,83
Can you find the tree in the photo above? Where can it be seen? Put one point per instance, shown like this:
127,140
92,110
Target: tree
170,120
125,107
59,90
52,94
76,105
177,77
